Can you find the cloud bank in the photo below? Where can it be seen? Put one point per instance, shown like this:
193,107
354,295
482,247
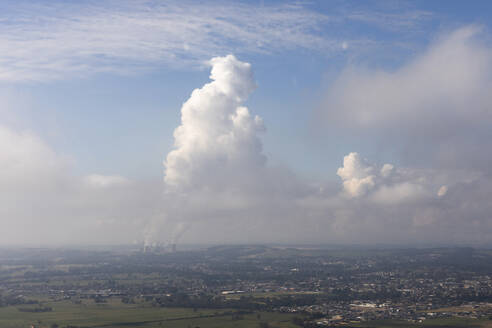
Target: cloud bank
219,176
433,113
43,201
219,186
435,108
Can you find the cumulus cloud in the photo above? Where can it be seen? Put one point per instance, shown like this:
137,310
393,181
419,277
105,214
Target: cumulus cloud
386,185
219,181
356,175
219,187
406,204
433,113
216,144
44,202
217,166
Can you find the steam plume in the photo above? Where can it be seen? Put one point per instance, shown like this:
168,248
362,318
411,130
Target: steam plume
216,146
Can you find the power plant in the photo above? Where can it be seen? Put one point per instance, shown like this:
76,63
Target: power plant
159,248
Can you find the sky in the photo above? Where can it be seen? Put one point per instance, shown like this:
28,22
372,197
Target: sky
295,122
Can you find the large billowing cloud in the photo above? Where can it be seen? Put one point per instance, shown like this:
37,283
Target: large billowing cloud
216,143
218,180
219,187
217,170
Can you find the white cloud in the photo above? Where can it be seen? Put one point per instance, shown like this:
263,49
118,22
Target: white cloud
437,85
434,112
386,185
219,182
356,175
217,165
434,107
220,188
44,202
216,143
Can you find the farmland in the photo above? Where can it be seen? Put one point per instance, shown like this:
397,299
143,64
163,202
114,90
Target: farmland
245,286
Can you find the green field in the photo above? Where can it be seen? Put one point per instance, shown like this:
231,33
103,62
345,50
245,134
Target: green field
116,314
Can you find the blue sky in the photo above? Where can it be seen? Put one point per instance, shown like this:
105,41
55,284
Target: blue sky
122,122
101,85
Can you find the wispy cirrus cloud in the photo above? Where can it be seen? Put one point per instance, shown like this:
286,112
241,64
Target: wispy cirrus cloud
50,41
40,42
391,20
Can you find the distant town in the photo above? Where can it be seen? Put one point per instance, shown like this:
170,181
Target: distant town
306,286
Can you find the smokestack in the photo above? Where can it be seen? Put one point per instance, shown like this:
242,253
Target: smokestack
173,248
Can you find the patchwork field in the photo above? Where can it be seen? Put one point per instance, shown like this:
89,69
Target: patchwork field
116,314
